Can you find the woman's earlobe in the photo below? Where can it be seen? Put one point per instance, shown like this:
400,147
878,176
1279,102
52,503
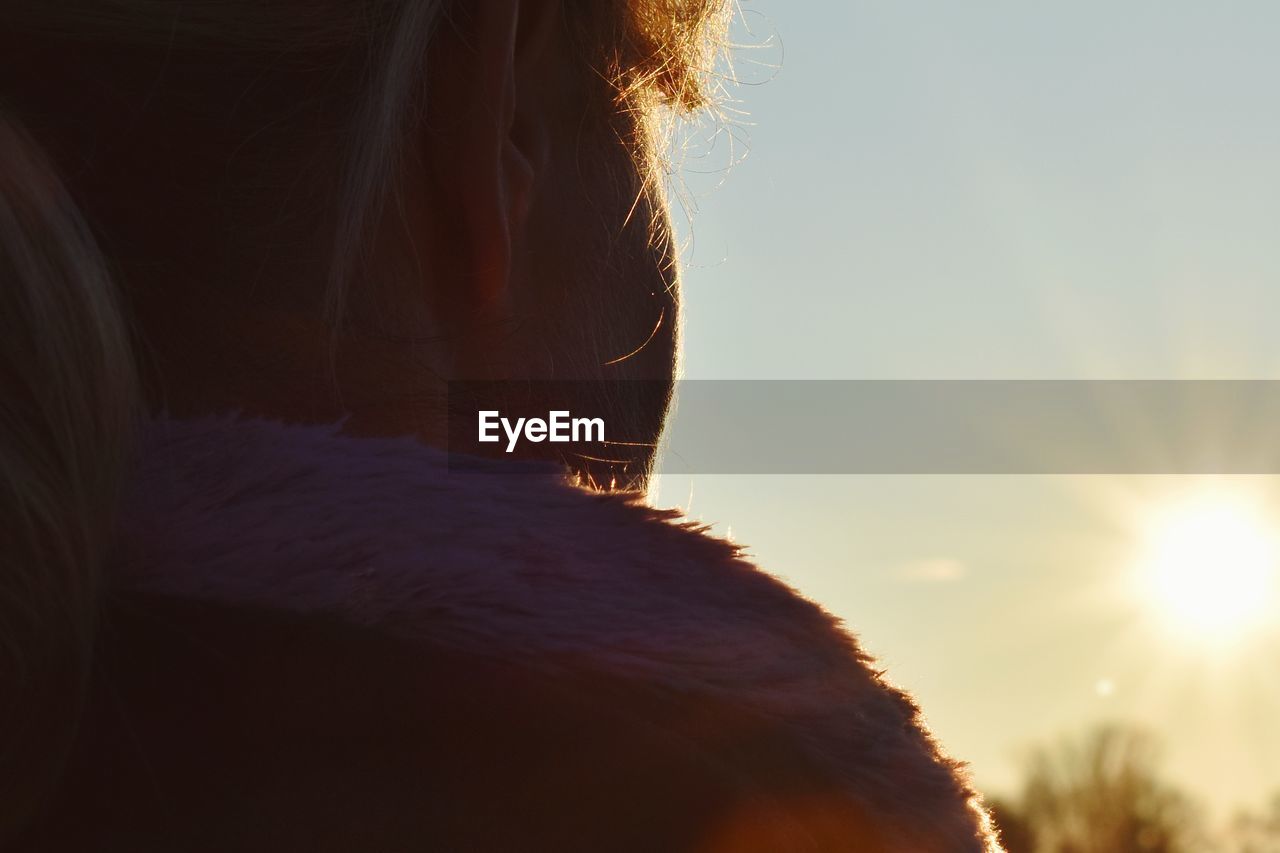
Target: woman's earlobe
490,137
472,98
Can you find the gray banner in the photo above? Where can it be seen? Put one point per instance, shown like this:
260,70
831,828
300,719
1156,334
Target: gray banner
974,427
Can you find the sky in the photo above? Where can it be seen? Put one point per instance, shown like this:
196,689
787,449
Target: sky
992,190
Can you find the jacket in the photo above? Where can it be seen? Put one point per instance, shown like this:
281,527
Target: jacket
316,642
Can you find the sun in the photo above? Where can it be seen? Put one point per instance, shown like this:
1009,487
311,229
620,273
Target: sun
1208,565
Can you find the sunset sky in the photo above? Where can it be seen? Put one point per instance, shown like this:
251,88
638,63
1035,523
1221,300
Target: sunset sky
931,190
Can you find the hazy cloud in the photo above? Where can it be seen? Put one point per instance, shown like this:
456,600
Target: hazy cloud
934,570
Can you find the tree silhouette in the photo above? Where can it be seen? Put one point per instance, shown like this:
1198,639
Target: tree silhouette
1100,794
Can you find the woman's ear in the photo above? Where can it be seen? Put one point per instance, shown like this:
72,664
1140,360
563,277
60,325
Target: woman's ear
489,134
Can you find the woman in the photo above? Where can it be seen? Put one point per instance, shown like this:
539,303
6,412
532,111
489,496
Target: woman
245,606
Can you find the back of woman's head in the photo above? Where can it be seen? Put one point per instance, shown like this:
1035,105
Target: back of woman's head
218,144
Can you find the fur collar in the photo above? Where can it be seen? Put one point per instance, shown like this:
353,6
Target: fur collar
378,532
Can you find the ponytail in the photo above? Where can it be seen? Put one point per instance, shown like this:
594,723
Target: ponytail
66,412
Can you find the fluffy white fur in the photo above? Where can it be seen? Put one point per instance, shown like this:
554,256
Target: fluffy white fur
379,532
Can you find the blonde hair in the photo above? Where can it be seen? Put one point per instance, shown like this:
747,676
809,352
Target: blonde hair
70,396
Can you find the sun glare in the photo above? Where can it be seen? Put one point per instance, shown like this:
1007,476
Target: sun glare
1209,565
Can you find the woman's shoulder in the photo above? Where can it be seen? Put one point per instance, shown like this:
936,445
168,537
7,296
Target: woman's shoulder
216,727
562,585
